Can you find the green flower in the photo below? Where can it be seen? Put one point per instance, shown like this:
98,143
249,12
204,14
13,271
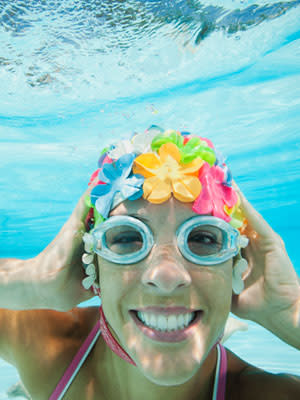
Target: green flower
189,148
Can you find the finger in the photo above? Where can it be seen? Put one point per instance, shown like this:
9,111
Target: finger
254,218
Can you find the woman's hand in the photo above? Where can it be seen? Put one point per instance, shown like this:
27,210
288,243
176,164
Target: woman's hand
272,289
59,268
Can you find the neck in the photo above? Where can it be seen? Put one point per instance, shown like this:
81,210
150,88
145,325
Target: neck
111,341
117,366
124,381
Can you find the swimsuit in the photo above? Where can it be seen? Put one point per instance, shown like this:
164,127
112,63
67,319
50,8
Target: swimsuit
85,349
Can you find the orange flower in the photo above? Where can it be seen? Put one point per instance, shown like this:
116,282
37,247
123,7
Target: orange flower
165,175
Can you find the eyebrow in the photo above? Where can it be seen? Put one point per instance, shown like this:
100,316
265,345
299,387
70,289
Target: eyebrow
137,216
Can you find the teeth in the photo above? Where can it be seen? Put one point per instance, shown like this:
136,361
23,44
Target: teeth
173,323
187,319
163,323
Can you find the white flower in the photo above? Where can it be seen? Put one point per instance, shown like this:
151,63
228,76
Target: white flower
142,141
91,276
139,144
121,148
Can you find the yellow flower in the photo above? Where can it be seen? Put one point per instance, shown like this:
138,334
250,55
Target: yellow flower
165,175
238,219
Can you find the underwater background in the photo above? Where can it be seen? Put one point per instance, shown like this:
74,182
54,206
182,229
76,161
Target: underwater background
76,74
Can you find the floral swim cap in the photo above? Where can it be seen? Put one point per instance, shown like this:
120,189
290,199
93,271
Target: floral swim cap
158,164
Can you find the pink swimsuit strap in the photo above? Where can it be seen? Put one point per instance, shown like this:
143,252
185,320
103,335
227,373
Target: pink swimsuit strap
221,373
85,349
76,363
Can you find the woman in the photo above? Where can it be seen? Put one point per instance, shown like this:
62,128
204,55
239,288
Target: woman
171,247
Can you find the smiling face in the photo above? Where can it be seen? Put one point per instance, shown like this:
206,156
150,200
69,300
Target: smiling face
169,292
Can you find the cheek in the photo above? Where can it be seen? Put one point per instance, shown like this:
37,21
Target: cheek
116,282
214,287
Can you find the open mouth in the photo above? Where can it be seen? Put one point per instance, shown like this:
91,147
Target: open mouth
166,328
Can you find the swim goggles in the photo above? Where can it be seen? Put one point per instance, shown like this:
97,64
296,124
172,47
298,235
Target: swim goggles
203,240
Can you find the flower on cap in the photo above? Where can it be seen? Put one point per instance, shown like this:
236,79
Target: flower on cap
121,148
94,176
116,178
214,195
104,159
197,147
238,219
220,161
169,136
189,147
227,175
166,175
138,144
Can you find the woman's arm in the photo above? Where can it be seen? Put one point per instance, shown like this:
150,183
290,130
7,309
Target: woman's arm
272,290
284,323
53,278
19,287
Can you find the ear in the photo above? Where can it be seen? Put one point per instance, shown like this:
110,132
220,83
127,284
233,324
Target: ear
240,265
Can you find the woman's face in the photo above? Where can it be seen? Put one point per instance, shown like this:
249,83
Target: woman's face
165,280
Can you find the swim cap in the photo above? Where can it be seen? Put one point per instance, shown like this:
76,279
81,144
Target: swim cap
158,164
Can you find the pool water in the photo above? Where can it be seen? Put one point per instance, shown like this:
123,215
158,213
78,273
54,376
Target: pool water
76,74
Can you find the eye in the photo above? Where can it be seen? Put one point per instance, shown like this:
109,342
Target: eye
202,237
126,238
205,240
123,240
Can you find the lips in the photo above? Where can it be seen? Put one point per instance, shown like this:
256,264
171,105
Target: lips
173,336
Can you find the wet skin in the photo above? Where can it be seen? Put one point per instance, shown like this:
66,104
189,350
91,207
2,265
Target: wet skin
165,279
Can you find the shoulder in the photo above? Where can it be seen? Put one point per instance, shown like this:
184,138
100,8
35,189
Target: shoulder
246,382
258,384
30,325
36,328
45,341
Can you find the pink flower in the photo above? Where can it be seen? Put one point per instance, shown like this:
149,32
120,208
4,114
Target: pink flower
214,195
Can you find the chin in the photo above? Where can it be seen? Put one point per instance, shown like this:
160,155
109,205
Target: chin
177,378
167,369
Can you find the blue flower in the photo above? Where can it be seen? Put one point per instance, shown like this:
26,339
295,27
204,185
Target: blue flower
117,178
220,161
227,176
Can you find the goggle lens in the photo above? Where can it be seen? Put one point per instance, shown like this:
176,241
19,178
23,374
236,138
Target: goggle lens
123,240
205,240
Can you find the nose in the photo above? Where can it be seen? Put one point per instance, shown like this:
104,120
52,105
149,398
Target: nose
165,272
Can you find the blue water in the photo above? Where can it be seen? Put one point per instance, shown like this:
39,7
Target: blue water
76,74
